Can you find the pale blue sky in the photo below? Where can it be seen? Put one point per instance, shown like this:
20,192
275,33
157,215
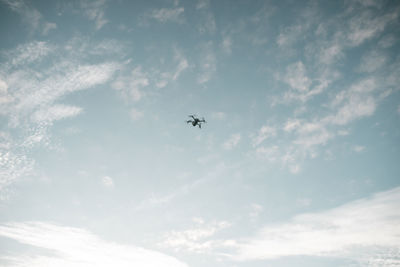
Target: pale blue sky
297,164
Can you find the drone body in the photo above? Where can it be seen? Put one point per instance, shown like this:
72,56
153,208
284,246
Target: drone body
196,121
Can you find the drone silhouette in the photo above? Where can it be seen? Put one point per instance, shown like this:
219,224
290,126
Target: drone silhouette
196,121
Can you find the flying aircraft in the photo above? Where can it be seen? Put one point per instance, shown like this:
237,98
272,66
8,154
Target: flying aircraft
196,121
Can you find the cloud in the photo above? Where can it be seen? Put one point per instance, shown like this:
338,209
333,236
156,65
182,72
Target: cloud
365,25
13,164
219,115
131,85
40,74
303,87
365,230
26,54
356,102
372,62
31,93
255,211
107,181
69,246
227,45
182,64
136,114
166,77
31,16
196,239
168,14
232,141
94,10
55,112
203,4
265,132
297,78
208,64
358,148
312,133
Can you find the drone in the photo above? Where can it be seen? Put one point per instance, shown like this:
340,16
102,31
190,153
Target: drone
196,121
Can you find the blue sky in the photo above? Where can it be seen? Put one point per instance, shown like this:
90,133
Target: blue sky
297,164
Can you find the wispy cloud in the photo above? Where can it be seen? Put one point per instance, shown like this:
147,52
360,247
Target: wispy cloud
232,141
366,26
265,132
131,85
136,114
365,230
31,16
372,61
107,181
168,14
33,105
302,87
356,102
196,239
55,112
208,63
94,10
68,246
358,149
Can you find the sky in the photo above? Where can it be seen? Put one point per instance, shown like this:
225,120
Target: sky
297,164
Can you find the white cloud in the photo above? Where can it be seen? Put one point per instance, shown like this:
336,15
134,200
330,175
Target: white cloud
357,102
55,112
208,64
206,22
372,61
291,125
4,95
130,86
196,239
365,26
30,15
136,114
296,77
365,230
94,9
31,107
269,153
32,93
331,54
302,87
232,141
182,64
68,246
48,26
12,165
164,78
203,4
28,53
227,45
255,211
312,133
168,14
387,41
358,148
107,181
290,35
219,115
303,202
265,132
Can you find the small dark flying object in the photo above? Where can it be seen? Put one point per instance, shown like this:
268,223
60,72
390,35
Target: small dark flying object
196,121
